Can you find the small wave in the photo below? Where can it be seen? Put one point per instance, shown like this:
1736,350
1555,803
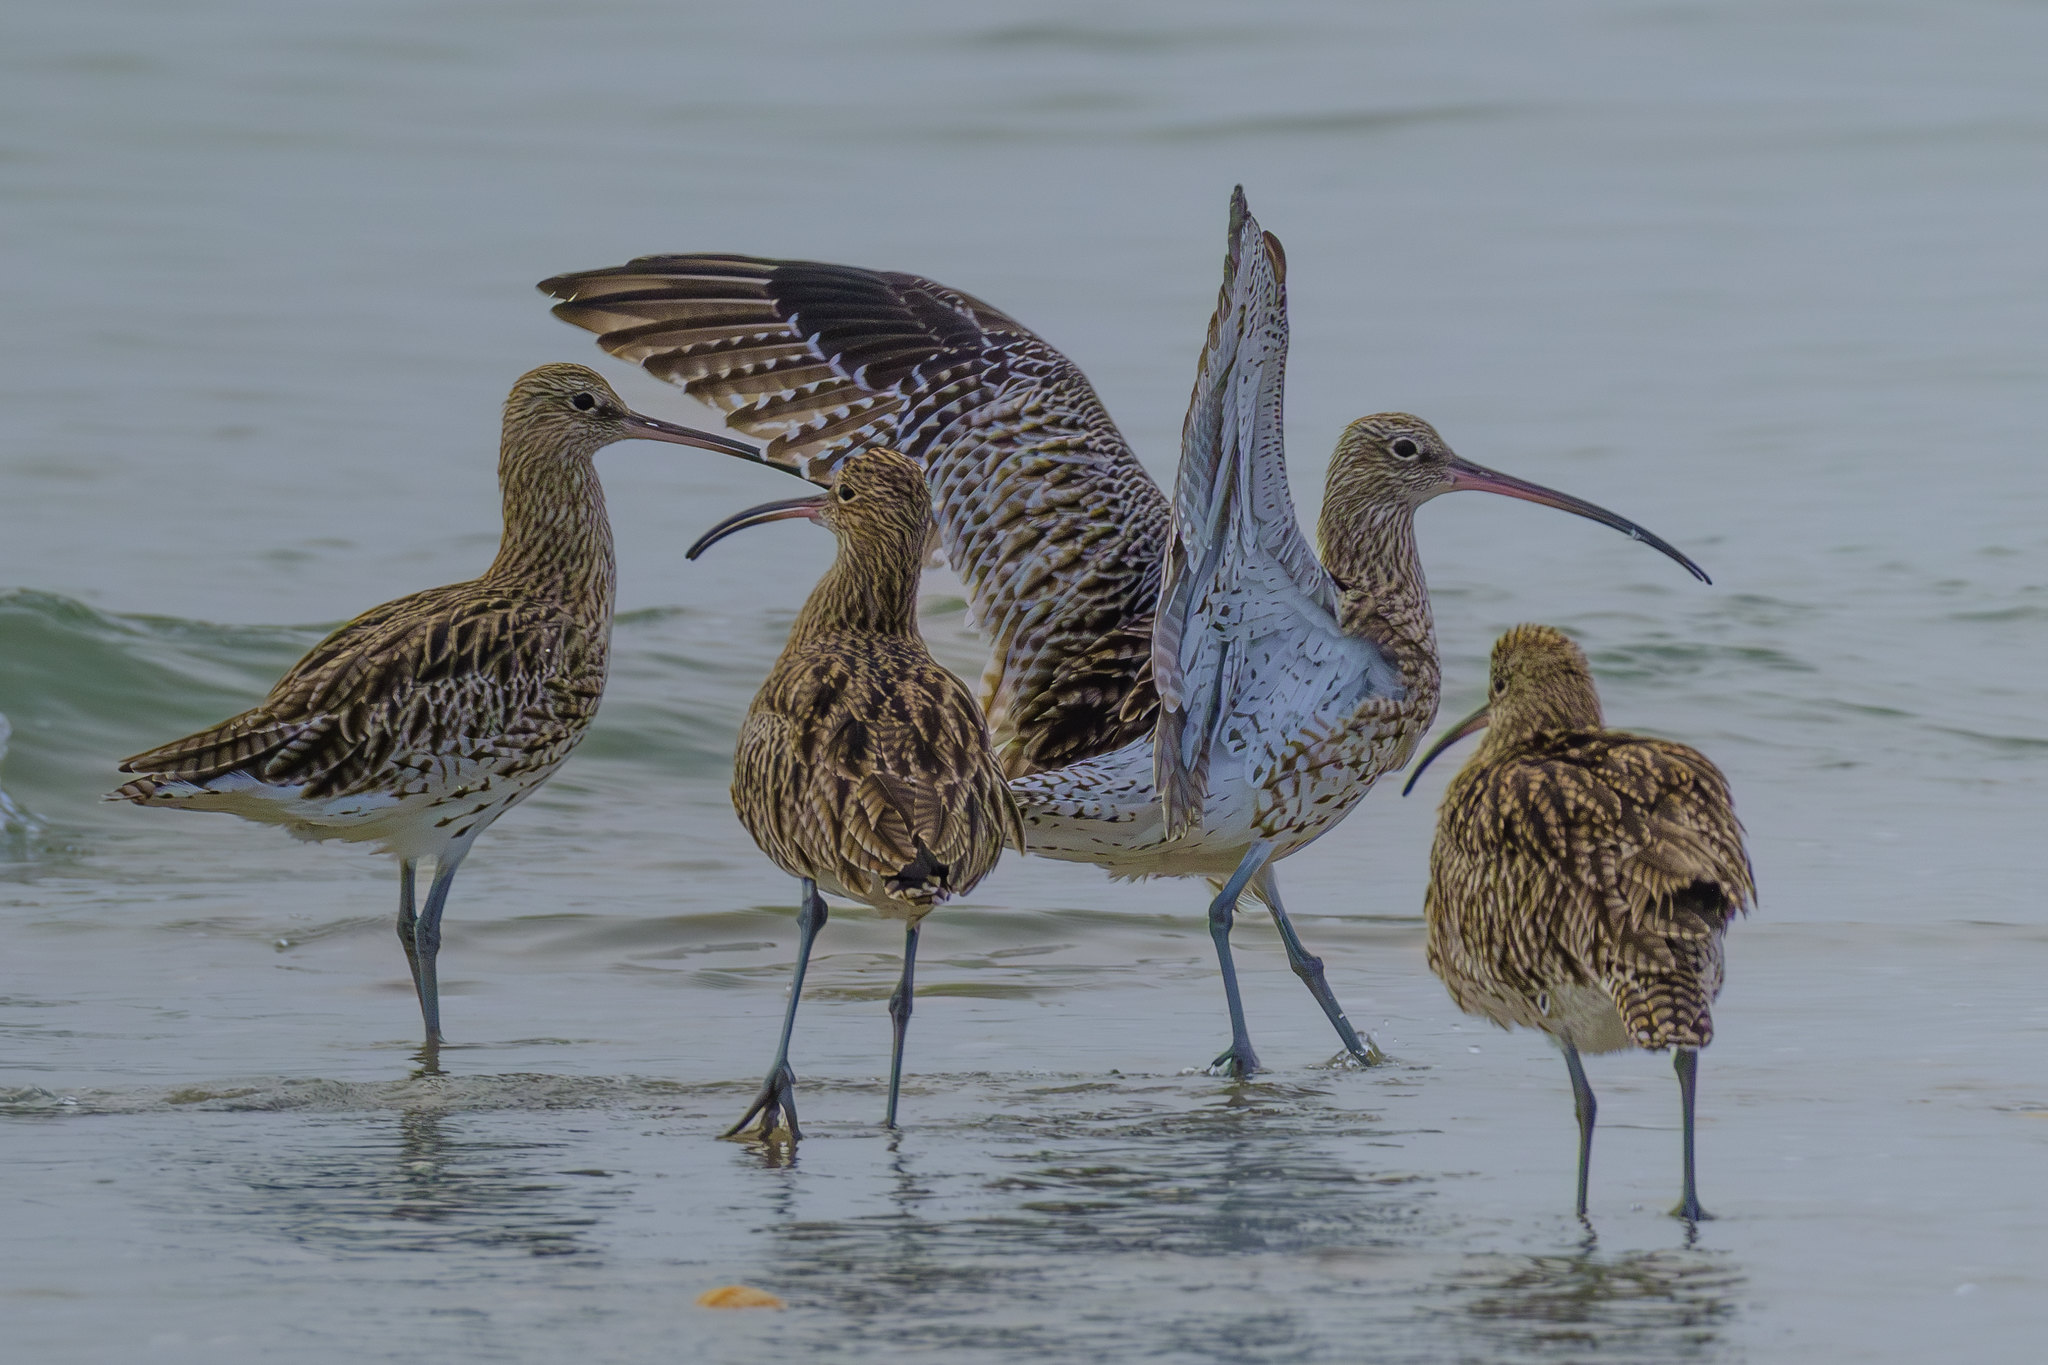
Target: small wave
1087,38
1328,122
1686,659
85,687
280,1094
12,821
2008,744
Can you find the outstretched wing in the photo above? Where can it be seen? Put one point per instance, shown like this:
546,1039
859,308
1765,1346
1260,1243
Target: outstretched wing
1042,508
1242,585
378,691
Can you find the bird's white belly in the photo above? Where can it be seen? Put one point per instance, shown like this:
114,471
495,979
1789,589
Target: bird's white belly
1585,1016
426,805
1107,811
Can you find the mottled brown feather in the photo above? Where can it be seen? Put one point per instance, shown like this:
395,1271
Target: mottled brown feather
523,677
1031,480
863,764
506,669
1580,856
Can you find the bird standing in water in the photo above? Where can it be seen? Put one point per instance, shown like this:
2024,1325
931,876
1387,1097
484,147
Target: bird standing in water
864,768
1177,688
1582,878
420,722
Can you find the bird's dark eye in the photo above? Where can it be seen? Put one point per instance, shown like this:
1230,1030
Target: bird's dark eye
1500,685
584,402
845,493
1405,449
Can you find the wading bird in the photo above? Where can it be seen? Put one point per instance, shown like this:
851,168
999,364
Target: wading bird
420,722
1582,878
864,767
1288,683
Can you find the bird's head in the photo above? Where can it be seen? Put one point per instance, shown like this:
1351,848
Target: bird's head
1539,681
877,500
1392,462
879,497
569,411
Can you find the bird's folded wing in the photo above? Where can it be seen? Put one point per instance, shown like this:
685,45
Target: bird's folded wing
383,685
1236,546
1043,510
932,799
1681,860
1641,828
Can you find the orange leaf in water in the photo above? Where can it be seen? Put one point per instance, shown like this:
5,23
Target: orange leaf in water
737,1296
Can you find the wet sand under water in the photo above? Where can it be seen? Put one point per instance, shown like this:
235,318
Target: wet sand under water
1064,1186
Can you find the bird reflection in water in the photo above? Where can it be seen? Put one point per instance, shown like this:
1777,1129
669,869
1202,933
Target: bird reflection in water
995,1237
438,1188
1638,1306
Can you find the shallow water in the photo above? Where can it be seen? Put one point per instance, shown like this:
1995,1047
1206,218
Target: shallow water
1765,277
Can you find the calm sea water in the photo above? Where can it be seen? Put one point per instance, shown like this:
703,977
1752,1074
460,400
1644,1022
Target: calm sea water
1766,276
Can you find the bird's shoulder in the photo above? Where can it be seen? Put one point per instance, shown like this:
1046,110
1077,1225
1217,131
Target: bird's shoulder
1645,818
363,692
463,633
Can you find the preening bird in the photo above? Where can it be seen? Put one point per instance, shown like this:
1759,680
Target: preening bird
1177,688
1582,878
864,768
420,722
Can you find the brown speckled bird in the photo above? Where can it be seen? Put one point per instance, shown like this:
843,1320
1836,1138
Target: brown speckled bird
420,722
864,768
1583,878
1043,508
1278,683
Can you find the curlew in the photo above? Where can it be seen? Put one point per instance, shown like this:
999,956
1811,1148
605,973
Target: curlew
1289,682
864,768
1583,878
420,722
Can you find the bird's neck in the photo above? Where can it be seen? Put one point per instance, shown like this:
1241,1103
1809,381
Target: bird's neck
558,540
869,588
1381,593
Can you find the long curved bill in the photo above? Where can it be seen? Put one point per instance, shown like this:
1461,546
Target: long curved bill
758,516
1465,474
1476,721
654,429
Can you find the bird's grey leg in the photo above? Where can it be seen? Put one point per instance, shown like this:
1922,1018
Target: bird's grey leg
1310,969
406,920
426,938
777,1099
1239,1060
1584,1106
899,1015
1686,1062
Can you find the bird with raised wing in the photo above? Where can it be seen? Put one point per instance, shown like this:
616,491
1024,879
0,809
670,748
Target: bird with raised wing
1288,683
420,722
1583,879
864,768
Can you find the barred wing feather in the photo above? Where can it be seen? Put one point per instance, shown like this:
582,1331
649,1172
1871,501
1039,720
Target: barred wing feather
1043,510
1245,605
379,689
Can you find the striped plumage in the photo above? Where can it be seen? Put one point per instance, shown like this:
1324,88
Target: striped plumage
1583,878
864,767
455,700
1043,509
1289,683
420,722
